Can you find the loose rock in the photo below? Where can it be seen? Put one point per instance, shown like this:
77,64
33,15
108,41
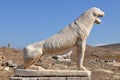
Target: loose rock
6,69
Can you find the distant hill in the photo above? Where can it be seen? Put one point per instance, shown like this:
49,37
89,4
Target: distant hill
112,46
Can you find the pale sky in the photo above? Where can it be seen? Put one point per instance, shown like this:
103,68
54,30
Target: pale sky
23,22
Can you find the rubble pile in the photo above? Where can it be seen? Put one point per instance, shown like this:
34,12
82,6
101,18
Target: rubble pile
6,65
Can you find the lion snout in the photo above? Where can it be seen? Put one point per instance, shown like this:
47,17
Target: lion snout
101,14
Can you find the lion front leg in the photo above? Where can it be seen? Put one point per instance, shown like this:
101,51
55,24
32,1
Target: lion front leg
80,54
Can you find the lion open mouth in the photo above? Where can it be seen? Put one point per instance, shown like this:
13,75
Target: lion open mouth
98,20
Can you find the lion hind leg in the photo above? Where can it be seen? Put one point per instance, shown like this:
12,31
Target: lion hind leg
31,59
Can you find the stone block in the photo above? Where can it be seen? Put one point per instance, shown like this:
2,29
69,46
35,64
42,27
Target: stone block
27,74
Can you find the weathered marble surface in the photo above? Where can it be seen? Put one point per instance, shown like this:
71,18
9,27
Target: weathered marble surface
75,34
55,73
27,74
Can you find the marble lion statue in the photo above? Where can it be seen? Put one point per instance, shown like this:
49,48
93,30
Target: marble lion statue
75,34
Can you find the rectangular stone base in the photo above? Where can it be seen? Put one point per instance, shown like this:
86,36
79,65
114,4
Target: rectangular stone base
27,74
49,78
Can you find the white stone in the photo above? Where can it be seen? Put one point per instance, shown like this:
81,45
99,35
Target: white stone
105,70
75,34
6,69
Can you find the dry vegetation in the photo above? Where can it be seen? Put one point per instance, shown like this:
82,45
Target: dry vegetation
103,61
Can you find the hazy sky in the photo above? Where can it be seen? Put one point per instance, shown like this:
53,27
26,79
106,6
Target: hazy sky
24,22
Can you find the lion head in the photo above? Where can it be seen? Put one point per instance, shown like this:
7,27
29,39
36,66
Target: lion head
97,13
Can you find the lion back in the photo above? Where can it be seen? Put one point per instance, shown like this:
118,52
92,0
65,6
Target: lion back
63,39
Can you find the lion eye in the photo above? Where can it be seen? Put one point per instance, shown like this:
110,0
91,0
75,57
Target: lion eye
94,13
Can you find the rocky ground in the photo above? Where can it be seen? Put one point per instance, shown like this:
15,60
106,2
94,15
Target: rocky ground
103,61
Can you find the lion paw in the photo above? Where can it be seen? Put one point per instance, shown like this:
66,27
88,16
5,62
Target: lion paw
36,67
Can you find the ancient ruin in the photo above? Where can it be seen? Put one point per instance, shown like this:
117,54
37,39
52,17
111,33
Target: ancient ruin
75,34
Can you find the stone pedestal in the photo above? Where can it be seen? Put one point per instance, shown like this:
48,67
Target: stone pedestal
27,74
